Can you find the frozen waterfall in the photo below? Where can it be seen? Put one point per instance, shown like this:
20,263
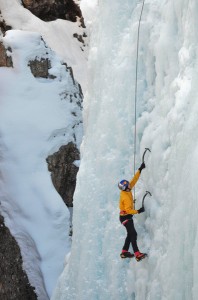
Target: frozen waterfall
167,121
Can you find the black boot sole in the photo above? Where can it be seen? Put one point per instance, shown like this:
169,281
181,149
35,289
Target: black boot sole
123,257
141,258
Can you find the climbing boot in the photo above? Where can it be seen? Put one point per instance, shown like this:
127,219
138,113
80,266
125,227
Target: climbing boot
139,256
126,254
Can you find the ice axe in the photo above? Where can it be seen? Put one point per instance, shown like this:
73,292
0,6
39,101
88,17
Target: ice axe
146,149
147,193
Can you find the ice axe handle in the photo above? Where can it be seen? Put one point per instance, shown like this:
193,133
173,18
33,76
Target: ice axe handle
147,193
146,149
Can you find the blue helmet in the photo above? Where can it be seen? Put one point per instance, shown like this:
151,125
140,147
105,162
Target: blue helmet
123,185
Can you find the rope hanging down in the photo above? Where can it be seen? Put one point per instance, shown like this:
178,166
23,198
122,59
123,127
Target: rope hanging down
136,74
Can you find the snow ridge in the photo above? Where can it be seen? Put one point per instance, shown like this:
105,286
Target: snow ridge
38,115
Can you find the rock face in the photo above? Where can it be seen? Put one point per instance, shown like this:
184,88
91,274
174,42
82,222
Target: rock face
5,60
64,171
14,283
49,10
61,163
40,68
3,26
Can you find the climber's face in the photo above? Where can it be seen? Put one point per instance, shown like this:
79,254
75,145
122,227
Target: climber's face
128,189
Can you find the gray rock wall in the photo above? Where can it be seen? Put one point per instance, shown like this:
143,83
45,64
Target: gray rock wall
64,171
5,59
14,284
49,10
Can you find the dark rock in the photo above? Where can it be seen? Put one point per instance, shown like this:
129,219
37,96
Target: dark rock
39,68
49,10
5,60
79,37
14,283
63,171
4,27
69,69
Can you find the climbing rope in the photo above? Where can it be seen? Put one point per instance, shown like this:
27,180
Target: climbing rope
136,74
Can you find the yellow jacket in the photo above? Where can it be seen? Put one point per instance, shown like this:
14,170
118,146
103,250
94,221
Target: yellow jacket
126,198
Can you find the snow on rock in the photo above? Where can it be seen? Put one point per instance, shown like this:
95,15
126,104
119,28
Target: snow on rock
57,34
37,116
49,10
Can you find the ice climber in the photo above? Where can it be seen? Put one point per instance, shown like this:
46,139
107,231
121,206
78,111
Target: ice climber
126,215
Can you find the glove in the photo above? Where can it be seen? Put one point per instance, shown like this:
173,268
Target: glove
142,167
141,210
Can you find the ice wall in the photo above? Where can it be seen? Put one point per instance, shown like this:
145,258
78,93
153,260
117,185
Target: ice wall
167,113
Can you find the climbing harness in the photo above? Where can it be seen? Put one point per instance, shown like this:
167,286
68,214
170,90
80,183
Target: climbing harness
147,193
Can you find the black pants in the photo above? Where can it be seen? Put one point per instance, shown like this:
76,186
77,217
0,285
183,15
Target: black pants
131,235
